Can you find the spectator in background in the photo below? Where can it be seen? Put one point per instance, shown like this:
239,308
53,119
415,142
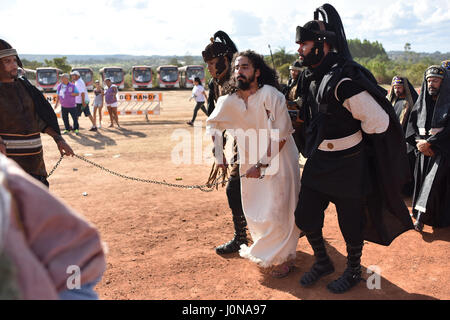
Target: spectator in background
66,95
98,103
82,100
198,92
111,102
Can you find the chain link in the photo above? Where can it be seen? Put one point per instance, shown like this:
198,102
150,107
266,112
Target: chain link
203,188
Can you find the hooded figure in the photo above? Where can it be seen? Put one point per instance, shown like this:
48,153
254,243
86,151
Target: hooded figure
355,147
403,104
403,96
428,134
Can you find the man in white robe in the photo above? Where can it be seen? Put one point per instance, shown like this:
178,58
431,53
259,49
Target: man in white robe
256,115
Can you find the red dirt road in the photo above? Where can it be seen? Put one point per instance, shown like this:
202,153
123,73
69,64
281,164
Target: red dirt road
161,240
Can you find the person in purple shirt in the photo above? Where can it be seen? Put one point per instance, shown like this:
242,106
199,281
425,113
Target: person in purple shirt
67,92
111,102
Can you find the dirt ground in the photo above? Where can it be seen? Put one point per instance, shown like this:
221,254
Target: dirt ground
161,240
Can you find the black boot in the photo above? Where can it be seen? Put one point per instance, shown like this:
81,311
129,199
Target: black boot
352,274
418,225
323,265
240,235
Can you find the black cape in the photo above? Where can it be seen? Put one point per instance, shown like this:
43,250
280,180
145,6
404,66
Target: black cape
387,216
432,174
42,106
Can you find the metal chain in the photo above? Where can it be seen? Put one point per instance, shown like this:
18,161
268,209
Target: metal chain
203,188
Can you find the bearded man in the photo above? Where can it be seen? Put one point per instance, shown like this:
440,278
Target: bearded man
255,114
428,133
403,96
355,149
25,113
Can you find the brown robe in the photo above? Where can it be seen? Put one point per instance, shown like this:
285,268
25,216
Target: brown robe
19,121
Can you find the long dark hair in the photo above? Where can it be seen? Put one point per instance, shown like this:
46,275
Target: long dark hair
267,74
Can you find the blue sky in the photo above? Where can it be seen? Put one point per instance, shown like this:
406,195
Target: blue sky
172,27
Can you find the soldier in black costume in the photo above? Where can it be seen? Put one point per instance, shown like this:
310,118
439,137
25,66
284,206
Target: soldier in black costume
218,56
428,133
355,149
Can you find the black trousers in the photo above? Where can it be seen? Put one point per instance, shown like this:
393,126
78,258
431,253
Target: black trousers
65,116
310,214
234,195
199,105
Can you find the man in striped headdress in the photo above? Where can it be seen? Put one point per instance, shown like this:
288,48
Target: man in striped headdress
25,113
403,96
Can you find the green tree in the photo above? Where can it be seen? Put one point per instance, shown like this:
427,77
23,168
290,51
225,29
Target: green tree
365,49
407,47
282,60
174,61
31,64
60,63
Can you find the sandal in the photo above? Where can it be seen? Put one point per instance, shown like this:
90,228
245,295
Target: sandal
282,271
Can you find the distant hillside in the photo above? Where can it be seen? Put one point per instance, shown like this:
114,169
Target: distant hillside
414,57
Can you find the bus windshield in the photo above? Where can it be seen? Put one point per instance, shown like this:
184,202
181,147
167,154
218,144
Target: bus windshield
46,76
169,74
191,73
116,76
142,75
86,75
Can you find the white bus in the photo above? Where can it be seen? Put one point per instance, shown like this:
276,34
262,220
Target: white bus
141,77
188,73
116,75
168,77
47,78
88,77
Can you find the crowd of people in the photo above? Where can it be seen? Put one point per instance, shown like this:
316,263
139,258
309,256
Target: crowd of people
366,150
74,99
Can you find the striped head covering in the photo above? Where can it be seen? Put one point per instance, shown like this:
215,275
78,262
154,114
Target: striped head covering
435,71
397,81
6,50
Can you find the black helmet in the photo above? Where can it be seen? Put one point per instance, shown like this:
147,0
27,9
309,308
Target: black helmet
296,65
221,45
329,29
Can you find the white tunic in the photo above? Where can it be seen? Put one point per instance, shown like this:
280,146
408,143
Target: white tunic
268,203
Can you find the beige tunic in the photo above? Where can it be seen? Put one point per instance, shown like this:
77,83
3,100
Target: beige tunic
268,203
